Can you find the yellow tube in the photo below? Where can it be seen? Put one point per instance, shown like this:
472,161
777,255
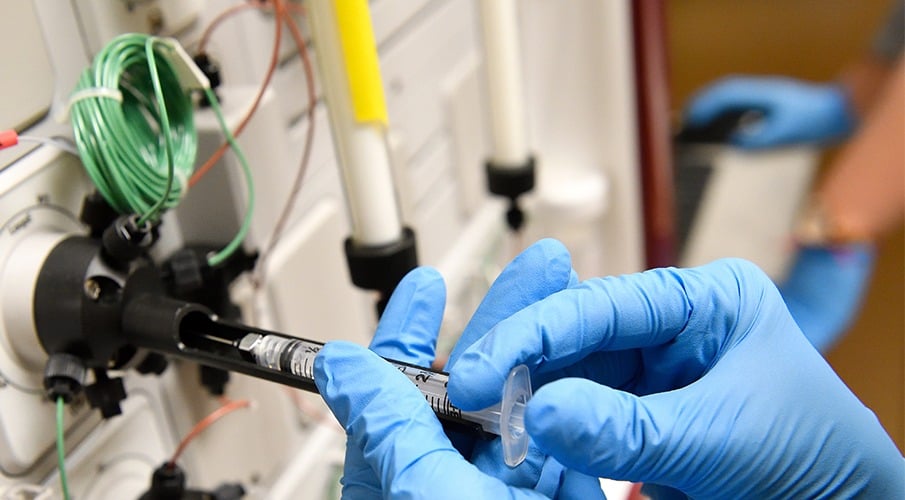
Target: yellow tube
362,67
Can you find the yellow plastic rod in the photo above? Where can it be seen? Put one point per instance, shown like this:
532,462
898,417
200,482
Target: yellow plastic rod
359,49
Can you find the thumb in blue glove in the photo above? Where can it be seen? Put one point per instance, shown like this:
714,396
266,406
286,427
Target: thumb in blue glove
718,393
795,112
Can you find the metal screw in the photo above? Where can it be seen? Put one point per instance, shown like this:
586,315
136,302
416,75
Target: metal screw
92,289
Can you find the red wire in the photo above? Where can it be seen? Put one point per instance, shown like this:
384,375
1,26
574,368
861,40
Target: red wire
283,218
279,11
226,14
225,409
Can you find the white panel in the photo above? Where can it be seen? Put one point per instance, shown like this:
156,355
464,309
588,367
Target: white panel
40,197
388,16
415,68
307,281
249,445
580,92
437,214
214,208
116,461
101,21
27,83
465,108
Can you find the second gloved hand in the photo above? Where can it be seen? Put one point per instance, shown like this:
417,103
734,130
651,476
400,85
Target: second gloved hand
695,379
795,112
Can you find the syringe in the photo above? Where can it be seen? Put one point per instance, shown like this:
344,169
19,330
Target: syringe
296,357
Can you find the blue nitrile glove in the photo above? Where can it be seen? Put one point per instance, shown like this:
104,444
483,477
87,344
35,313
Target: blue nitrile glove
825,288
407,332
695,379
795,112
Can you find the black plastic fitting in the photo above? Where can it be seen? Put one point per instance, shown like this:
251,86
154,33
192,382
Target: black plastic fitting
106,393
211,70
511,182
167,482
125,240
382,267
97,214
64,376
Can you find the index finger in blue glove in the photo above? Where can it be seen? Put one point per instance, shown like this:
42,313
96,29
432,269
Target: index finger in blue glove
653,308
409,326
388,419
540,270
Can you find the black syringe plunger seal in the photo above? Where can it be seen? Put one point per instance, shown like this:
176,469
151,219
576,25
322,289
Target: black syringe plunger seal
510,181
381,267
64,376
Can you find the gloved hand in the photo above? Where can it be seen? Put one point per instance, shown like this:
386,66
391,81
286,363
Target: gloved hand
825,288
394,437
695,379
794,112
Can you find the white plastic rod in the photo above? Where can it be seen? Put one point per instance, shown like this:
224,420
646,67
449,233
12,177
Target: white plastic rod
502,57
347,59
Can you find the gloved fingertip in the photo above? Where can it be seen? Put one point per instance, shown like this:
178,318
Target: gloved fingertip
416,284
333,365
573,279
547,255
551,246
578,486
410,324
473,382
549,414
587,427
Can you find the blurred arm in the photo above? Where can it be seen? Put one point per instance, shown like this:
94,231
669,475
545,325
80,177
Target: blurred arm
863,196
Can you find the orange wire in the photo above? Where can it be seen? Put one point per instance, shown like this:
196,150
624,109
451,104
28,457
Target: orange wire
225,409
279,11
283,218
223,16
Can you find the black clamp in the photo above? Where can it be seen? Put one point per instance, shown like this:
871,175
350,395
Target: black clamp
511,182
211,70
382,267
106,393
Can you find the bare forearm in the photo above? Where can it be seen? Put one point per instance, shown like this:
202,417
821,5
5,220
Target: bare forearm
864,192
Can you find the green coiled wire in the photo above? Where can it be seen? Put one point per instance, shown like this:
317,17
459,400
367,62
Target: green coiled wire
134,150
140,151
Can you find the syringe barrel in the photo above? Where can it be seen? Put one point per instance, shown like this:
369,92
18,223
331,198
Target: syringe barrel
296,356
